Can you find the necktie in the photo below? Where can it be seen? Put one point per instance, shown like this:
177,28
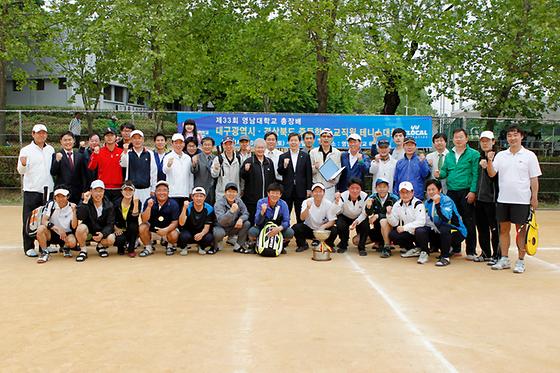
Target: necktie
440,161
70,160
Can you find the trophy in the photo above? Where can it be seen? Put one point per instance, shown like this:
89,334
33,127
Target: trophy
322,251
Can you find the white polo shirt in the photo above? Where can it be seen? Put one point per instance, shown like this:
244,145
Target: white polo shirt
61,217
319,215
353,210
514,175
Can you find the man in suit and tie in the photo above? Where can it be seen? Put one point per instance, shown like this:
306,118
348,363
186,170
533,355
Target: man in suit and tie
68,168
295,168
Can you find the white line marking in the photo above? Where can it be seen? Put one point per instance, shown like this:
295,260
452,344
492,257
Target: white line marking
552,266
398,311
242,345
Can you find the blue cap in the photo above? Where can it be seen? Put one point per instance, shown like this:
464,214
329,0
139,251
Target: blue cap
381,180
226,139
383,141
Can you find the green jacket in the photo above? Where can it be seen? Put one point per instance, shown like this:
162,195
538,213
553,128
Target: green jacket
462,174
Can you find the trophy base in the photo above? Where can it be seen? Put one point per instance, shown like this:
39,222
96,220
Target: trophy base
321,256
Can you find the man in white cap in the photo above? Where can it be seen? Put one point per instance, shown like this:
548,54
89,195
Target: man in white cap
140,165
34,164
98,220
195,224
319,156
317,212
58,226
405,216
356,164
178,170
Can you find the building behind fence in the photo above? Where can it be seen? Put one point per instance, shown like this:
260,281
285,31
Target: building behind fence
543,137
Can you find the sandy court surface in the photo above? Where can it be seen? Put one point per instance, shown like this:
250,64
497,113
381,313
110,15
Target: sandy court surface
236,313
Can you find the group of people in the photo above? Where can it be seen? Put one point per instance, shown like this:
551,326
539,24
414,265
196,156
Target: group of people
196,194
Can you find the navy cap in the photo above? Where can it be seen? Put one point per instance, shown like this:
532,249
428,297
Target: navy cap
244,138
383,141
409,139
231,186
226,139
109,130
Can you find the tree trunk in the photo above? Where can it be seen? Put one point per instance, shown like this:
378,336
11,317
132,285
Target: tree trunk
391,100
322,82
3,77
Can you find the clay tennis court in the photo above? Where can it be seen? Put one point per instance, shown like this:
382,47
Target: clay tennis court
237,313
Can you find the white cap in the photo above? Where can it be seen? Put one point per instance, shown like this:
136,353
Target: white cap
162,182
355,136
64,192
97,184
177,136
318,185
407,185
198,190
137,132
39,127
326,131
487,134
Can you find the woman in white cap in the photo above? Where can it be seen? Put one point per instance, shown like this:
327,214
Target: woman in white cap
34,164
58,225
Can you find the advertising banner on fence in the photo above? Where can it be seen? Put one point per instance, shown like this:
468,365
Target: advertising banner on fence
255,125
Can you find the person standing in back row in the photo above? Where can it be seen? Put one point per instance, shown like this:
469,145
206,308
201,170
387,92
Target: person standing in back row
518,180
460,168
34,164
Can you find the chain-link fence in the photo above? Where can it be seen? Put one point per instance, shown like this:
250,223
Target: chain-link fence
543,137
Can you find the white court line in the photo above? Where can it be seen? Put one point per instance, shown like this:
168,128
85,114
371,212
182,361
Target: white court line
401,315
552,266
242,345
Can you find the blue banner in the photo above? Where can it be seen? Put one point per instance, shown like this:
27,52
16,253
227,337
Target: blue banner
255,125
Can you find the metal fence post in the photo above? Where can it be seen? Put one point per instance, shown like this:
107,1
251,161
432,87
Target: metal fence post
20,128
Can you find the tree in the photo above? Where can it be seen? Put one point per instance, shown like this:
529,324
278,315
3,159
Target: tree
391,51
85,49
504,56
22,33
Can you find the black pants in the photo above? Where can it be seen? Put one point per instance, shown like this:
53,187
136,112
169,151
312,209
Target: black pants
467,212
127,240
31,200
343,224
442,241
113,195
303,233
293,201
487,227
251,208
405,240
187,237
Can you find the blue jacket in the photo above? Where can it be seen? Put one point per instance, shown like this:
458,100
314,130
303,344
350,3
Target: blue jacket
282,219
412,170
359,171
445,213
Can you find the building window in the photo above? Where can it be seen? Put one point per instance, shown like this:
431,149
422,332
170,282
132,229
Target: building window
119,94
15,87
62,83
40,84
107,93
140,101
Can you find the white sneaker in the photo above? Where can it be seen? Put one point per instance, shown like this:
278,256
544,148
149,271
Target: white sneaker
411,253
519,266
184,251
503,263
423,259
43,258
201,251
236,247
31,253
470,257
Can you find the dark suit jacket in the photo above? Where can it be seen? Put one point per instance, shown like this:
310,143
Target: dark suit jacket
74,178
301,179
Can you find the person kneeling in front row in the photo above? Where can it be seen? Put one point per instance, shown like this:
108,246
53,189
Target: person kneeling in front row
406,216
160,218
272,209
444,229
58,226
127,211
98,218
317,213
195,224
232,220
